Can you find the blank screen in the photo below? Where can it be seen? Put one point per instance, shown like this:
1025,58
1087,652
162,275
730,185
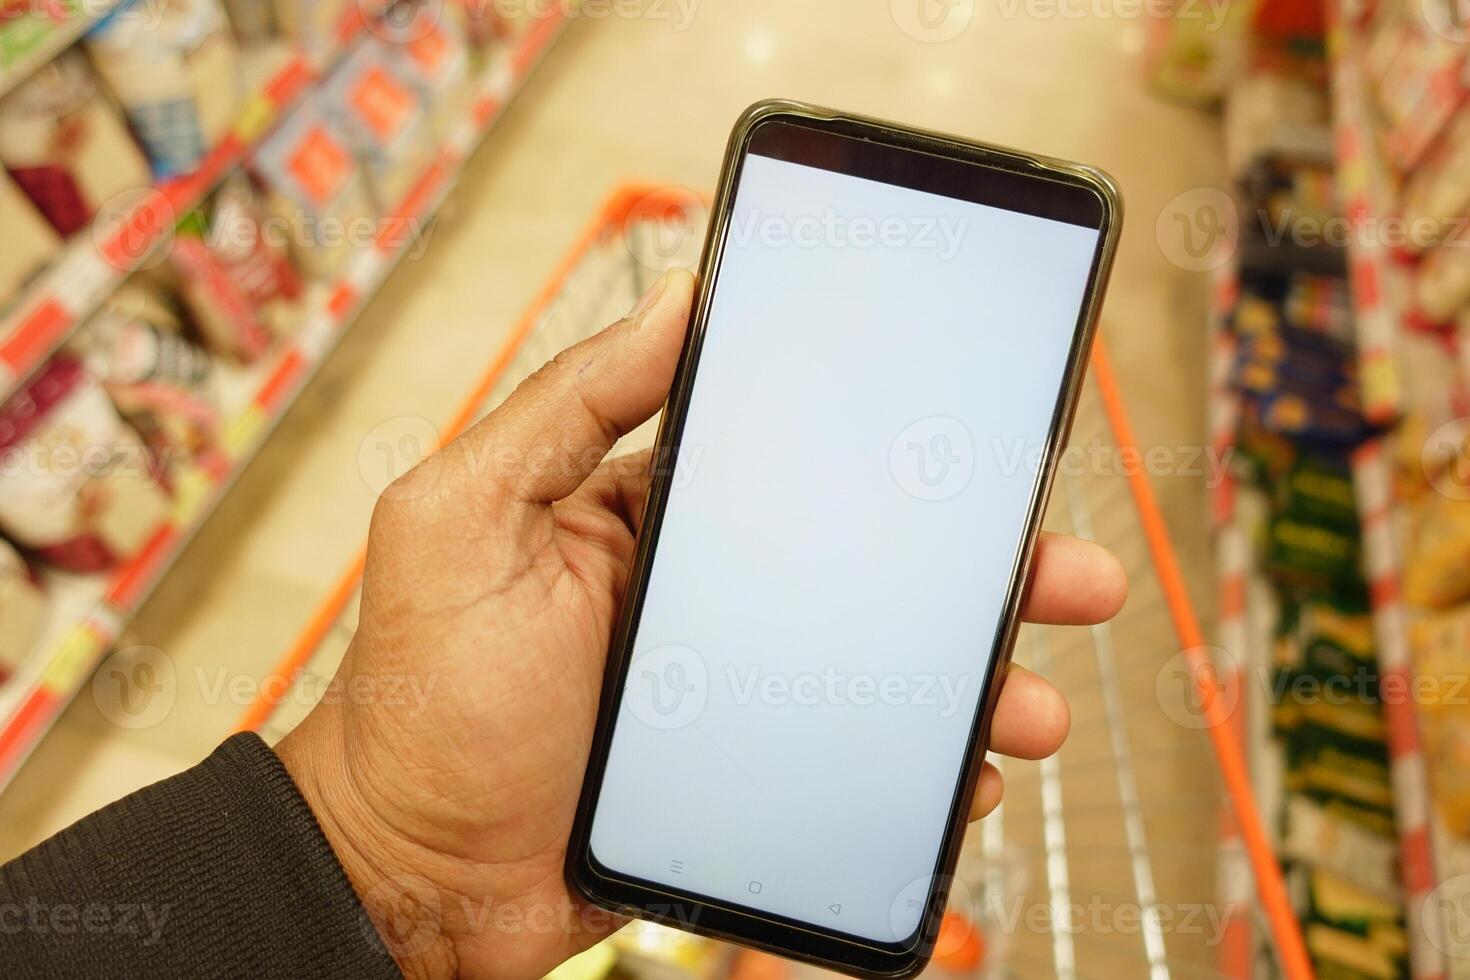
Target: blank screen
879,373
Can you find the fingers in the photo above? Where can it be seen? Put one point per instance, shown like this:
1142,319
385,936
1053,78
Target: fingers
559,424
988,792
619,486
1031,718
1074,582
1031,722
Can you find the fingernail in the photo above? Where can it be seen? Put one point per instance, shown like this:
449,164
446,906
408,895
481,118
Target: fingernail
645,303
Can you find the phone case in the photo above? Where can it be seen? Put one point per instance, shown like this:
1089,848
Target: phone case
775,934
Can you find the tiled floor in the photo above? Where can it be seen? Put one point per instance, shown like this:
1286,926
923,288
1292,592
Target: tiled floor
618,98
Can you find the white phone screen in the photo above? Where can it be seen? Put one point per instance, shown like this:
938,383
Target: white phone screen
879,373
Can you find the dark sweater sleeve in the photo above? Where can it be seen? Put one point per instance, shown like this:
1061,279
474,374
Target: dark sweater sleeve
219,871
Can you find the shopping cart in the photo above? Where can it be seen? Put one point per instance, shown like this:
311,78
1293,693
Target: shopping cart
1136,851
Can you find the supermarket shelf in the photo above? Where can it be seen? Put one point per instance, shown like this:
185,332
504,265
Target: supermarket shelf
1223,405
1431,862
93,264
48,36
1378,282
95,610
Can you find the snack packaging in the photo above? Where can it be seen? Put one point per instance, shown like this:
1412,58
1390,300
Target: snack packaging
256,261
67,148
22,610
1437,196
79,488
428,53
29,241
1437,558
314,25
316,189
383,119
1441,645
174,67
156,377
1443,285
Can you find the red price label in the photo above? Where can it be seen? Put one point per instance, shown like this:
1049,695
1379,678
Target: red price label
429,51
321,165
382,103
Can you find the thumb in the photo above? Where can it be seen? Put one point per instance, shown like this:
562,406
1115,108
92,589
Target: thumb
555,428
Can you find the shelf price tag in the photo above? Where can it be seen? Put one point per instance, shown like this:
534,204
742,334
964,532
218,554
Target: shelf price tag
192,487
73,659
320,165
384,105
255,118
241,431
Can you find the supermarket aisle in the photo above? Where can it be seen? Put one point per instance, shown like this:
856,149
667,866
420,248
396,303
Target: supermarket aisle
622,98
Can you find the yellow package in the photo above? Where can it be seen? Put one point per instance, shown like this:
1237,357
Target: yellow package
1441,647
1437,562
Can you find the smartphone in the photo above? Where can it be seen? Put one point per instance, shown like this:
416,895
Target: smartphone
886,348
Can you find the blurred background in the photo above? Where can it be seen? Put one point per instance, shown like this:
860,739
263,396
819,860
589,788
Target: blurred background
261,255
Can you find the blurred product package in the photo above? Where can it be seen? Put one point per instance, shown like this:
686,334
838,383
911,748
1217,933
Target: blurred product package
313,25
29,241
1440,641
173,66
428,52
234,272
78,487
254,21
382,118
22,610
66,147
316,189
158,379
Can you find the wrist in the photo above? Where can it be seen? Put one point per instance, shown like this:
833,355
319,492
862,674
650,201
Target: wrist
403,912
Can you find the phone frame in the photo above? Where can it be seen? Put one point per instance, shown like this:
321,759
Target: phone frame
751,927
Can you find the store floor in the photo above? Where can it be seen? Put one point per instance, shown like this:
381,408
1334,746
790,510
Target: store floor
618,99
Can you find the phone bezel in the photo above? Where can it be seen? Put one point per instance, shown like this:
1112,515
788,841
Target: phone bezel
701,914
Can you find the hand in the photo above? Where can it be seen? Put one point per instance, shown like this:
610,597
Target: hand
494,573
